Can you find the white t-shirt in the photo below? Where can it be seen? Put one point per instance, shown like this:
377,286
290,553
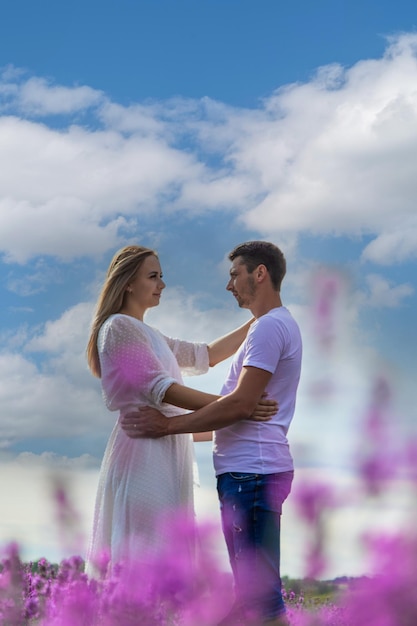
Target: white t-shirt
273,344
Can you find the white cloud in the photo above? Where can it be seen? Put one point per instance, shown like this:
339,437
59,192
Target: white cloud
38,97
338,159
137,118
64,341
37,280
334,155
393,246
51,460
69,331
10,73
184,315
385,295
63,227
81,189
37,404
54,395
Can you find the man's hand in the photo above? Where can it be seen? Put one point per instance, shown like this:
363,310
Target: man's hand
147,422
265,409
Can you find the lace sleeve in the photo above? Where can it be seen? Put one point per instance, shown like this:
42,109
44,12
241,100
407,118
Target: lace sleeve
192,358
132,373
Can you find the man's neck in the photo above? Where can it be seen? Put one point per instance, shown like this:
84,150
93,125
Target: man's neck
265,304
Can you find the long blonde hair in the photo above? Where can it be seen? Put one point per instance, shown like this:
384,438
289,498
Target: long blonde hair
121,272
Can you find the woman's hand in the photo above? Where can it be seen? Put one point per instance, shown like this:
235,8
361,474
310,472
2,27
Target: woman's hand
265,409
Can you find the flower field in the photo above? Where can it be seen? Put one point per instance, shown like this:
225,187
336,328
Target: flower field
170,590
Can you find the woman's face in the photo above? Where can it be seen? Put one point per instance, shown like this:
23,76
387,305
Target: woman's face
146,288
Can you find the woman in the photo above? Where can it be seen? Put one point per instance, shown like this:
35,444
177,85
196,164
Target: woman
141,480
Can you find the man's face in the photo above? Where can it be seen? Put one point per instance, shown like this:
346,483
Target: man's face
241,284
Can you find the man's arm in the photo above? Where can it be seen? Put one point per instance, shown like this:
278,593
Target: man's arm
236,406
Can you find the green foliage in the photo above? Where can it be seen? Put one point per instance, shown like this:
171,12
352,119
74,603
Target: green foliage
311,592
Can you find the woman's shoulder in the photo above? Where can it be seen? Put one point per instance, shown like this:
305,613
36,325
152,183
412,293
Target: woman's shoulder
119,328
120,317
121,323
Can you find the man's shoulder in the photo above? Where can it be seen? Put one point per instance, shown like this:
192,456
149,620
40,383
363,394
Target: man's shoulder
277,323
279,316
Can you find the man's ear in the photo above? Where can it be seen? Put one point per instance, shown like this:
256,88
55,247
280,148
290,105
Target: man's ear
261,273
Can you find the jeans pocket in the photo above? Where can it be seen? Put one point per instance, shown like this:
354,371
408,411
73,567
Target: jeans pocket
242,476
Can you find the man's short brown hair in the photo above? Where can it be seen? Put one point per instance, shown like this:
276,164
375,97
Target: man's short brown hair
254,253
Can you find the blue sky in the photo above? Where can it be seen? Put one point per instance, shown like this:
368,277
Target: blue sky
190,126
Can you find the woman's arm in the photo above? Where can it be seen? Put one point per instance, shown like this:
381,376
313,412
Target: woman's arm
187,398
223,347
207,436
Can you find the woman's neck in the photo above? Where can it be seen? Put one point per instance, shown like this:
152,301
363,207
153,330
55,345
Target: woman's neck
133,312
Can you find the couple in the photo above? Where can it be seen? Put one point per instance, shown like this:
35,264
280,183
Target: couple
149,472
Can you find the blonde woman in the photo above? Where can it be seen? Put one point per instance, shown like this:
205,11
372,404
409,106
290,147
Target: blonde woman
144,480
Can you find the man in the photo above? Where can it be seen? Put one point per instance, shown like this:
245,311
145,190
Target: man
253,464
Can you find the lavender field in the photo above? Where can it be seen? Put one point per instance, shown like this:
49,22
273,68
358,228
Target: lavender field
170,589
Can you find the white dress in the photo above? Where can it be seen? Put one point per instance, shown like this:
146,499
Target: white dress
141,480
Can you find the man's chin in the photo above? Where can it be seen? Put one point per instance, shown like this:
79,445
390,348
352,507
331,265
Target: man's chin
241,303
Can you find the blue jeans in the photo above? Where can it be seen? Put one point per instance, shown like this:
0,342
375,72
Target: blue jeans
251,506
